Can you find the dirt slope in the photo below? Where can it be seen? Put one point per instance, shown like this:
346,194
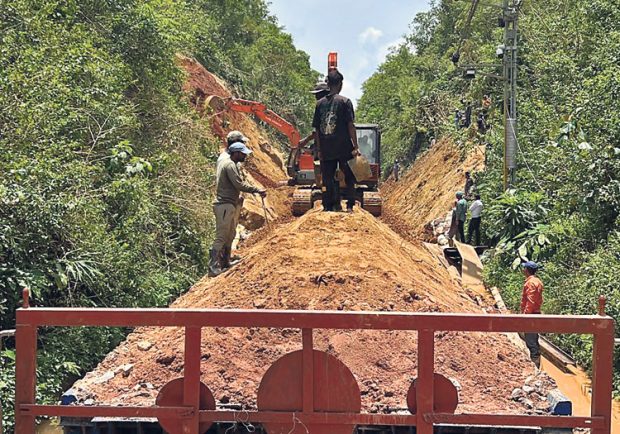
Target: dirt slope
266,165
427,189
321,261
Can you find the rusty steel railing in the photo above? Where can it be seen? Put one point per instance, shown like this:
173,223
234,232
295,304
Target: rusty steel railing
189,414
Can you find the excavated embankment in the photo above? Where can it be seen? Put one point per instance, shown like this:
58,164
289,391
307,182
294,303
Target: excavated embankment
427,190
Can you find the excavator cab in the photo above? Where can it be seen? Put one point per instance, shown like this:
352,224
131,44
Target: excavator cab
304,172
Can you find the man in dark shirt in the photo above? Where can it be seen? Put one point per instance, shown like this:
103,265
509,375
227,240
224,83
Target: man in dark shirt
337,141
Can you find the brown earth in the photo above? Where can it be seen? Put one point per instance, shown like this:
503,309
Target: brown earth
266,165
331,261
427,190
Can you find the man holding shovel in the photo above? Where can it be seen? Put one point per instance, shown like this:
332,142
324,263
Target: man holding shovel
336,140
229,185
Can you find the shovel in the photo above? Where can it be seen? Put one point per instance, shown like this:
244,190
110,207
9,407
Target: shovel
265,212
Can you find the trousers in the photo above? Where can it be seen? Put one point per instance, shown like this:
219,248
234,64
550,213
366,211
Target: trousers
474,228
226,220
460,227
531,341
328,173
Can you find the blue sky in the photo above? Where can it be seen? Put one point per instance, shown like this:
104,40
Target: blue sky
361,31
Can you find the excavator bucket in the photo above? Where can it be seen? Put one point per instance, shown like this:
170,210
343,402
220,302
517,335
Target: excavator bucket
215,104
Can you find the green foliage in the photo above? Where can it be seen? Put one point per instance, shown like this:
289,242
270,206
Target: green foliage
564,210
105,170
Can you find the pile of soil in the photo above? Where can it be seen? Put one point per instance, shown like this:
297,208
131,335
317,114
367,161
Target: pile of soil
264,168
323,261
427,190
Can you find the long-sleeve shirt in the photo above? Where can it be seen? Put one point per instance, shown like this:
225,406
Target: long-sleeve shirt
476,209
229,183
532,297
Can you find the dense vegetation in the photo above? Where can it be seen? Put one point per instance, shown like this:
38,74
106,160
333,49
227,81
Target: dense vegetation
105,171
564,209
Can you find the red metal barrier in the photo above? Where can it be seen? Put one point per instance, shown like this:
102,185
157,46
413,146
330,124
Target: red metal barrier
193,320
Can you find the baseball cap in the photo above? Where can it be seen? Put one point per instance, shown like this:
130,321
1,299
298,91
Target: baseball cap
321,86
459,194
236,136
531,265
239,147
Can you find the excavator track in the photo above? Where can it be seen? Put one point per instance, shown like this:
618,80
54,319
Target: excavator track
302,201
373,202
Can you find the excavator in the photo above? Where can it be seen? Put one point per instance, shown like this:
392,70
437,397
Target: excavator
303,169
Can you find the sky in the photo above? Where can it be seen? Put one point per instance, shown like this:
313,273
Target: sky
361,32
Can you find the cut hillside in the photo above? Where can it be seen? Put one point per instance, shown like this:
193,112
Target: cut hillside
426,191
321,261
266,165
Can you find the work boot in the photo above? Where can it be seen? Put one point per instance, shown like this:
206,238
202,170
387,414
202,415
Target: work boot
227,260
214,263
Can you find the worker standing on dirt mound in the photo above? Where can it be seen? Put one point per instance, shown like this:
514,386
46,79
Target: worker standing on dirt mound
461,215
229,185
320,91
531,302
337,141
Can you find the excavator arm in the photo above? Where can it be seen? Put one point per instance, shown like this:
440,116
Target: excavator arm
268,116
260,110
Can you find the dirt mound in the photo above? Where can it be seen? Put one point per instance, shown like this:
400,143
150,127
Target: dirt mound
265,167
427,189
326,261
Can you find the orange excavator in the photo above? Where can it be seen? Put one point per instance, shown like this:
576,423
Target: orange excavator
303,169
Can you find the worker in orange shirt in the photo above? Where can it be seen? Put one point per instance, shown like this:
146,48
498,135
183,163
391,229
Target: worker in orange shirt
531,301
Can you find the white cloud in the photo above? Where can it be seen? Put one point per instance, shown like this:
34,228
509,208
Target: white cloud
385,49
352,90
371,34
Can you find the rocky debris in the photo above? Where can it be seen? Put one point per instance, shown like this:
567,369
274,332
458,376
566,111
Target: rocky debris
440,228
144,345
517,394
528,389
166,359
107,376
124,369
260,303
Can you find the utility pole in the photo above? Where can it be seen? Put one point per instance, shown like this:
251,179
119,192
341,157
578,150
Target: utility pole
510,19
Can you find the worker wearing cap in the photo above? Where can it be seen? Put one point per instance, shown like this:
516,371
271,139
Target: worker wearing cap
531,302
233,137
228,185
461,215
320,90
337,141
